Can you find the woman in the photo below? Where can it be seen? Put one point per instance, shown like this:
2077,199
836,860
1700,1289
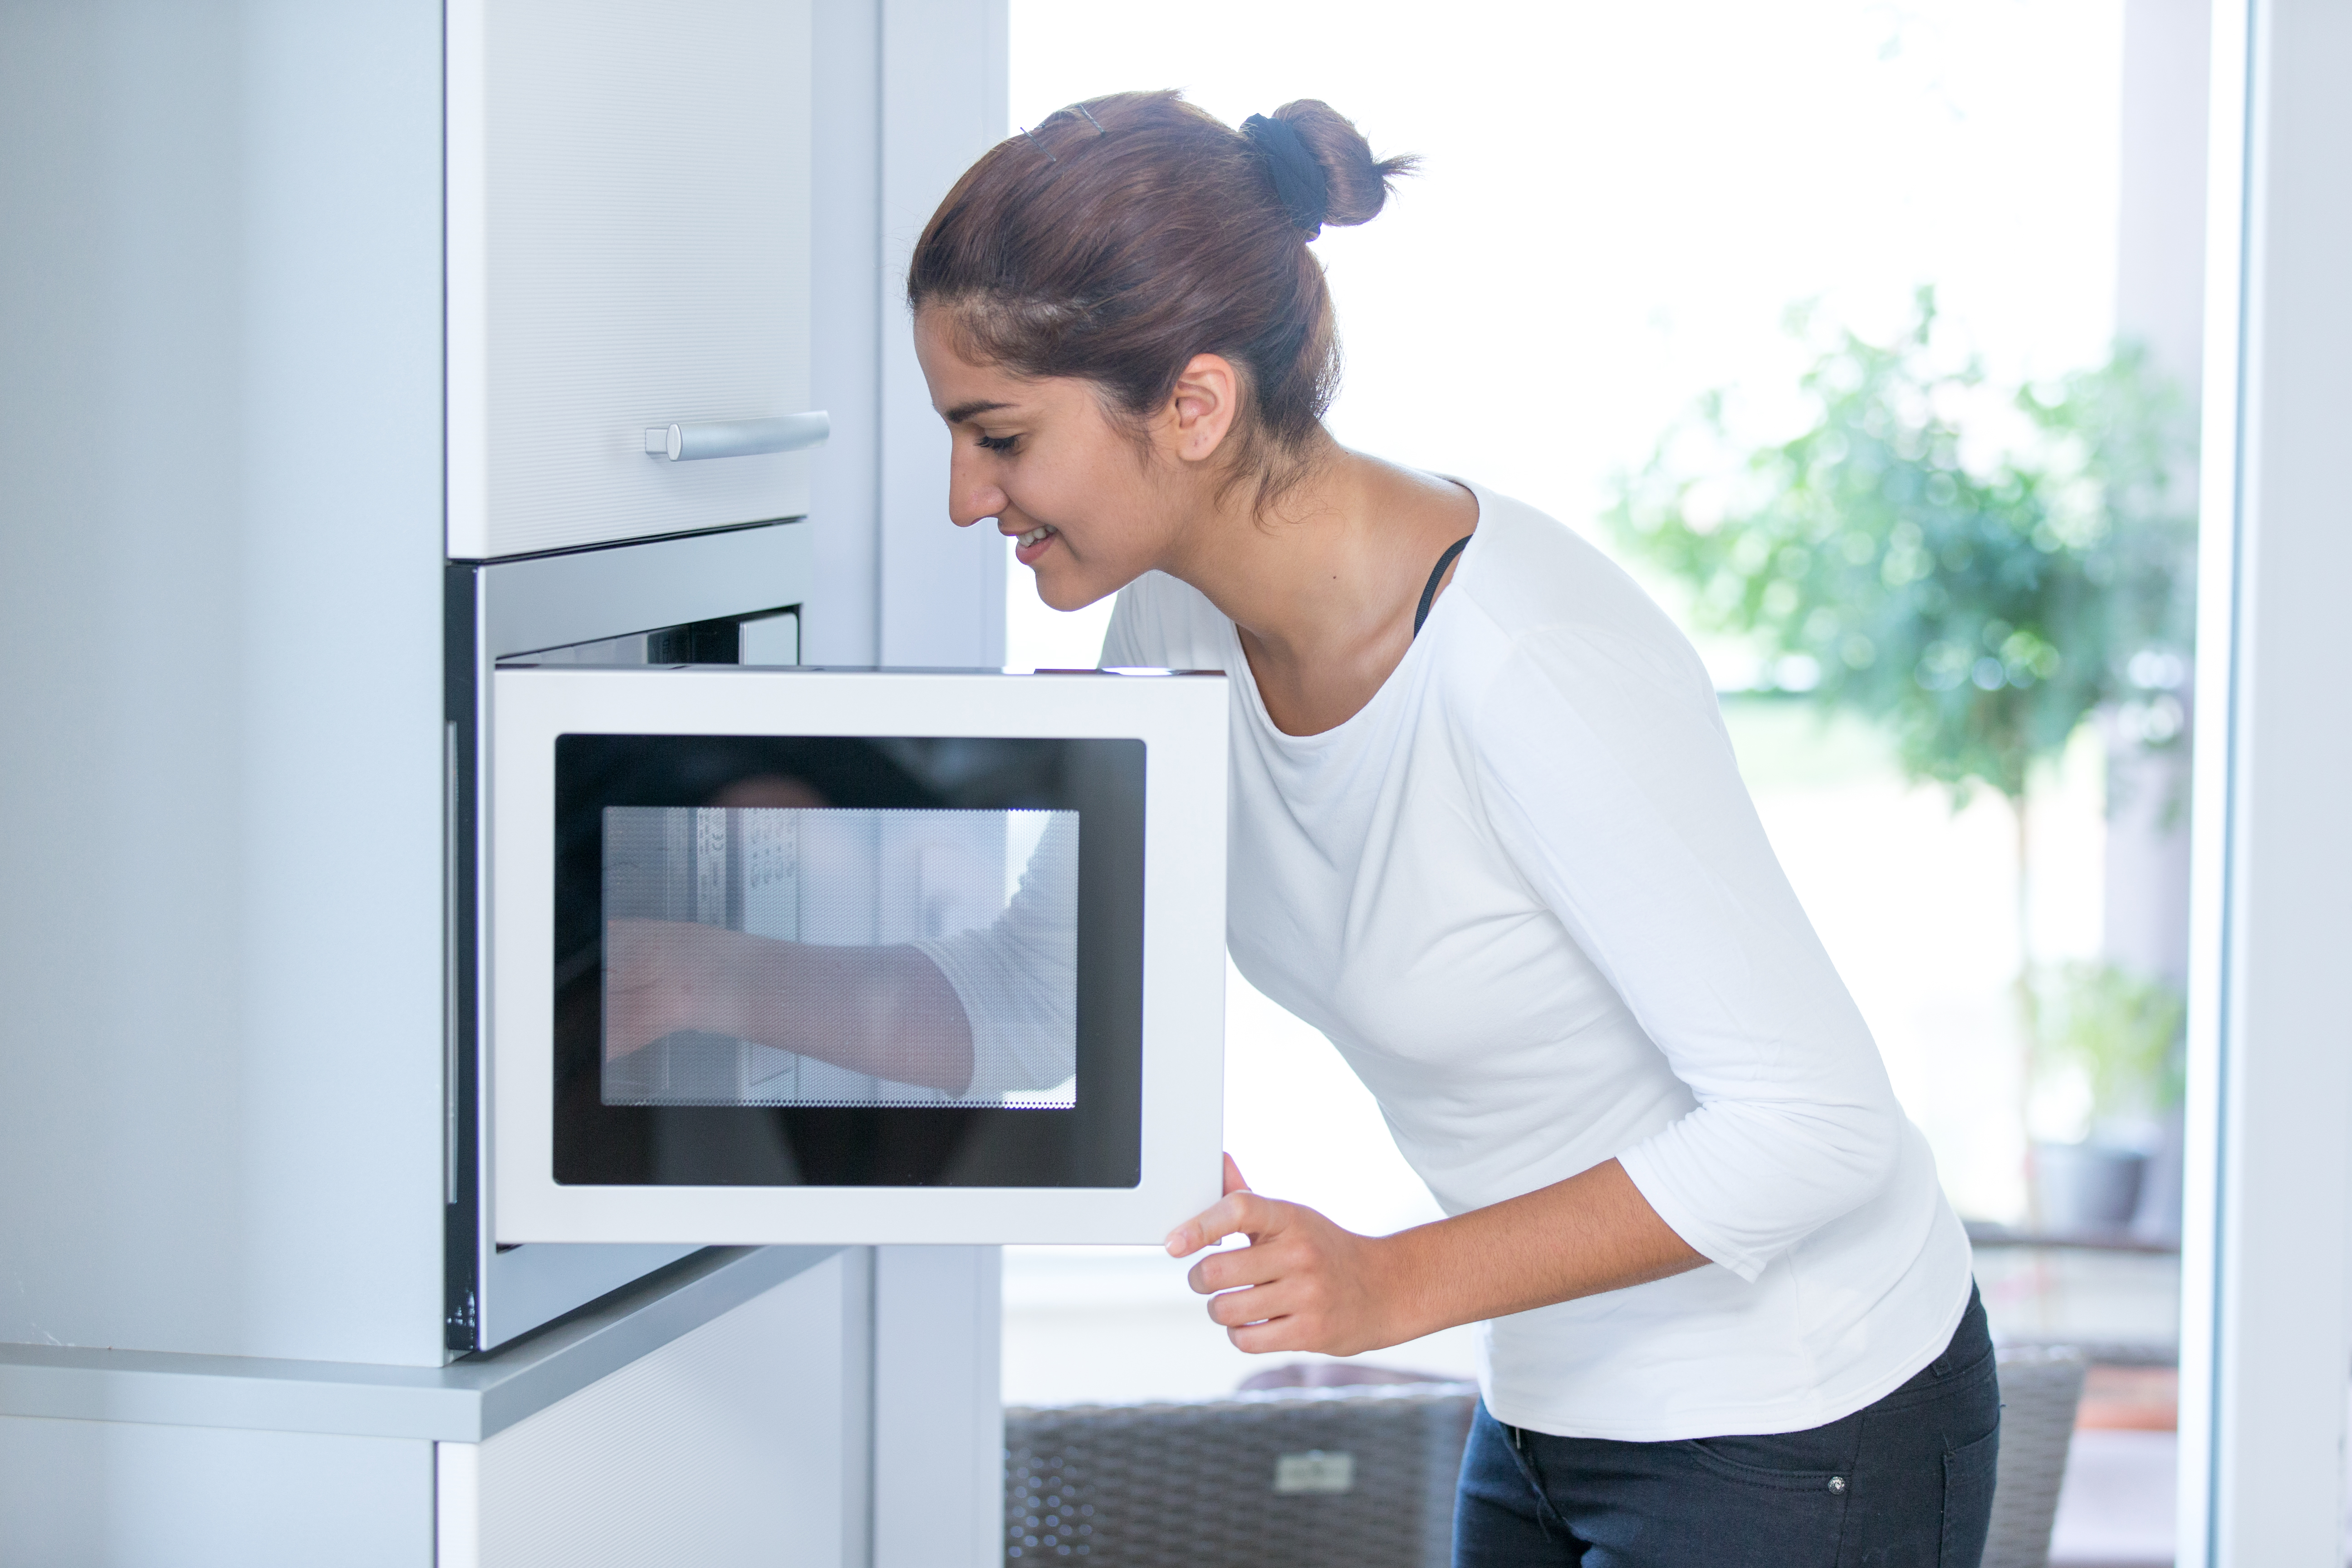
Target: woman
1489,836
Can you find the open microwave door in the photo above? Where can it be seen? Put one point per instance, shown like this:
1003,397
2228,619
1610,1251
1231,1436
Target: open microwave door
832,956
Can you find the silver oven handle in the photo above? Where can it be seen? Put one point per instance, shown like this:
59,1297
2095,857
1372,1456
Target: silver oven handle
738,437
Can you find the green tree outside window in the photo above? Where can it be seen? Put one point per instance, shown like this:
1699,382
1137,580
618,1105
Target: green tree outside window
1977,604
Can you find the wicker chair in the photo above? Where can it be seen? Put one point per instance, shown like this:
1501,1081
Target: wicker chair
2041,1385
1363,1477
1299,1477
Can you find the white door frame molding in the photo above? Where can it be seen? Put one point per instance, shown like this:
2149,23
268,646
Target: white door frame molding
2267,1265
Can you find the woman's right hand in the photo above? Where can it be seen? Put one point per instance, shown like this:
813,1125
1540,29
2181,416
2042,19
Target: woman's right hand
661,976
885,1011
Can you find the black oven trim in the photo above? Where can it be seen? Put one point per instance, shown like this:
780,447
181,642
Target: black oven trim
461,1228
1097,1144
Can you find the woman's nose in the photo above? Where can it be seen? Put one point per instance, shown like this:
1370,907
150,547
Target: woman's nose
972,496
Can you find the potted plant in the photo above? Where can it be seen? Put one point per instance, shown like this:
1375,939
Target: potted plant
2106,1072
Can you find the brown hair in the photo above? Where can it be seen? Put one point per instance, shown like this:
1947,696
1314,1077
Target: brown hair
1125,234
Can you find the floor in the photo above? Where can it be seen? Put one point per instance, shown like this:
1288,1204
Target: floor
2115,1510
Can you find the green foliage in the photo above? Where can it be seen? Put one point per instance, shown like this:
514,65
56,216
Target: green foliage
2121,1032
1977,603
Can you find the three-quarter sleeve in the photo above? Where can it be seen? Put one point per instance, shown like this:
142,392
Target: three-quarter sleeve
1017,976
1610,779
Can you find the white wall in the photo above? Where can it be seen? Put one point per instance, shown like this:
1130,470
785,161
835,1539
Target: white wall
846,335
2161,301
909,92
943,98
2160,184
220,803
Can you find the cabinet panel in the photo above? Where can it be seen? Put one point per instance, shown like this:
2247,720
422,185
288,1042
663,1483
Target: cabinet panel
628,218
111,1494
725,1447
938,1414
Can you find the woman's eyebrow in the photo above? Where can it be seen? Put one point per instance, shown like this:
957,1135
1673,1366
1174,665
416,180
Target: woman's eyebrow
964,411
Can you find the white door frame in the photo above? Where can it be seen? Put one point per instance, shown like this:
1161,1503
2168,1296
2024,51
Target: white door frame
2267,1264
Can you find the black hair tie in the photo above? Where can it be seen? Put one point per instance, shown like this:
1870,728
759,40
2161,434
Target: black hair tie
1299,183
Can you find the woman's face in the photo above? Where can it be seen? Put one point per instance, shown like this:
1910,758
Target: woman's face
1092,508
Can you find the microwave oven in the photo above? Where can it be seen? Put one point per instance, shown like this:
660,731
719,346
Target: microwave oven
785,954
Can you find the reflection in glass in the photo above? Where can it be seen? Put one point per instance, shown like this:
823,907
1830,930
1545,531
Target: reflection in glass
801,955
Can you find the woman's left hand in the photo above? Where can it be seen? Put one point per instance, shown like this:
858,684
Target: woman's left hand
1301,1284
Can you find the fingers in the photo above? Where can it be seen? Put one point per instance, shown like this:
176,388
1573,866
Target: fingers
1240,1213
1257,1327
1279,1334
1257,1264
1242,1309
1201,1230
1263,1303
1283,1317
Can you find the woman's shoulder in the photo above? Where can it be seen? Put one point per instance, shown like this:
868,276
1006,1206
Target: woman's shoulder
1542,590
1527,571
1158,622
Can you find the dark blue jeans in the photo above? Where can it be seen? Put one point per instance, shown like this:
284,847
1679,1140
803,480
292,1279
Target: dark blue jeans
1904,1483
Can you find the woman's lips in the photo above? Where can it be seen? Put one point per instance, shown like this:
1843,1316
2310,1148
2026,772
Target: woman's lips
1029,546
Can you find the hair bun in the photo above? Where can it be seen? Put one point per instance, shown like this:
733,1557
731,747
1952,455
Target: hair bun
1356,183
1299,182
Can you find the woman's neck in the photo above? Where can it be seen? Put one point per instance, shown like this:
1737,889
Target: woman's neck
1323,585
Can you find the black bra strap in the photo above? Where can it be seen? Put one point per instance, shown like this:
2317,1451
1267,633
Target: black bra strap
1429,594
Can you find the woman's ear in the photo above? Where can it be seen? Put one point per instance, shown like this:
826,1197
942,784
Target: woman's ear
1202,408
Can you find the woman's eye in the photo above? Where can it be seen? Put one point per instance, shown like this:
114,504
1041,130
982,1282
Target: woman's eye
997,443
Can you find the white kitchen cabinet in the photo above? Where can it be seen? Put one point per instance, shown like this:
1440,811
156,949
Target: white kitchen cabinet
737,1445
136,1494
628,189
224,1337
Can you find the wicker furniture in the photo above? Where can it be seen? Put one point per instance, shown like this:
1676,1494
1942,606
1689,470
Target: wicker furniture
2040,1387
1363,1477
1302,1478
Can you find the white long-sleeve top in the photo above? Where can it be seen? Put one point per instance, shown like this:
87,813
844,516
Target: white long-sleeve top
1017,977
1524,892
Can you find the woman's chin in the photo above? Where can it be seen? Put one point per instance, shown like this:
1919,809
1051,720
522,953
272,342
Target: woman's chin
1067,590
1066,601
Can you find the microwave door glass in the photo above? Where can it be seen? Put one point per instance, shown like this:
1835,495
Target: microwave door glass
799,954
848,960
